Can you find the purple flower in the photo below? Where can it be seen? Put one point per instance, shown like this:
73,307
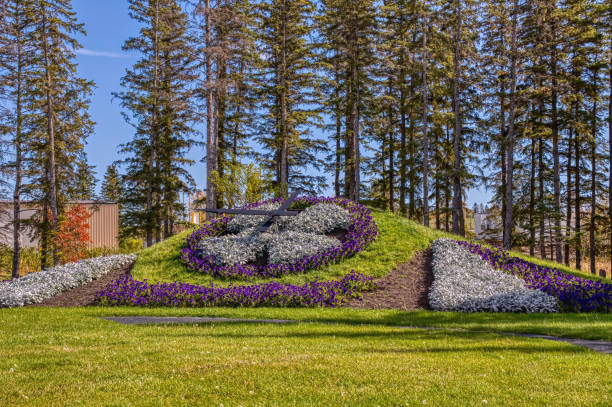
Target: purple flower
574,293
127,291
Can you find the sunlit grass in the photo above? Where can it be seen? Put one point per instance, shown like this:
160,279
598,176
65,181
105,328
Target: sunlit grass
70,356
563,268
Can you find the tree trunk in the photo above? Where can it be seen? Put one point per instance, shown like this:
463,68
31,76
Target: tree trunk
610,139
508,218
532,173
220,123
568,217
425,130
349,176
284,131
355,134
502,149
577,202
44,238
437,195
541,237
211,153
391,153
447,209
555,152
457,207
403,152
50,113
411,166
338,156
151,217
18,169
502,130
593,142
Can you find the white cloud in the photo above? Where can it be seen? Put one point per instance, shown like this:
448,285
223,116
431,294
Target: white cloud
92,53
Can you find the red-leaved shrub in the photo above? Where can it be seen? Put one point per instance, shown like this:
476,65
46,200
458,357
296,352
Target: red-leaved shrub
72,236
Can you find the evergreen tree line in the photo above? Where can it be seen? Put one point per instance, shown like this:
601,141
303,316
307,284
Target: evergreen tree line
44,120
424,100
405,103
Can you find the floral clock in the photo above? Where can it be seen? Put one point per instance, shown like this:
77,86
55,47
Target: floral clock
326,230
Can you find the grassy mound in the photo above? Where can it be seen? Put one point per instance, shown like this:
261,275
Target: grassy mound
398,240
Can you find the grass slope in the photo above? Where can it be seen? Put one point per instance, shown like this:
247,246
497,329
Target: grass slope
562,267
398,240
56,356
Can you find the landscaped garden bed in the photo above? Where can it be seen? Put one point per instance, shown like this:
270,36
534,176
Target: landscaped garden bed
127,291
37,287
574,293
328,230
463,281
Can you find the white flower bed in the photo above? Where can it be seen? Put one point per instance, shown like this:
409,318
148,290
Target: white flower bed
299,236
235,249
320,219
36,287
288,247
282,248
239,223
465,282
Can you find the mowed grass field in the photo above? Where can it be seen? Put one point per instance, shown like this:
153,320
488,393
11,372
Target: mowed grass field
342,356
58,357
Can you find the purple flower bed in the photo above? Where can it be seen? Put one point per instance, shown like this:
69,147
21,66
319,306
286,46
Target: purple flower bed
127,291
574,293
361,232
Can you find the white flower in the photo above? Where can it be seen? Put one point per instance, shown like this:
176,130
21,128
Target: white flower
36,287
319,219
289,247
465,282
299,236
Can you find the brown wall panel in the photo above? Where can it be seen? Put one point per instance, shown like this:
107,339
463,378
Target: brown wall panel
103,224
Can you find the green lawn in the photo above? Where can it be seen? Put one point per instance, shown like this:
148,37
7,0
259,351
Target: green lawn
342,356
71,357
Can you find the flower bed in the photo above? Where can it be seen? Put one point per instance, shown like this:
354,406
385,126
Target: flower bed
127,291
574,293
360,232
464,282
37,287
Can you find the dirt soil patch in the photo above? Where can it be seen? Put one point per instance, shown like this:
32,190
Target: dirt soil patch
405,288
85,294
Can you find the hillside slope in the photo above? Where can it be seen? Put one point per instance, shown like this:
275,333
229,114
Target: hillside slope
398,240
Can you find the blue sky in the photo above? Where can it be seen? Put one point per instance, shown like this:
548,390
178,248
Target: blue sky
108,25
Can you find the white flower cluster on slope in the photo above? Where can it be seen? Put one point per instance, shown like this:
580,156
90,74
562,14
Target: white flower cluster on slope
300,236
465,282
282,248
290,246
239,223
36,287
241,248
319,219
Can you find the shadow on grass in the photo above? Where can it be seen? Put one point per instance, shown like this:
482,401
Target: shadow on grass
586,326
473,342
